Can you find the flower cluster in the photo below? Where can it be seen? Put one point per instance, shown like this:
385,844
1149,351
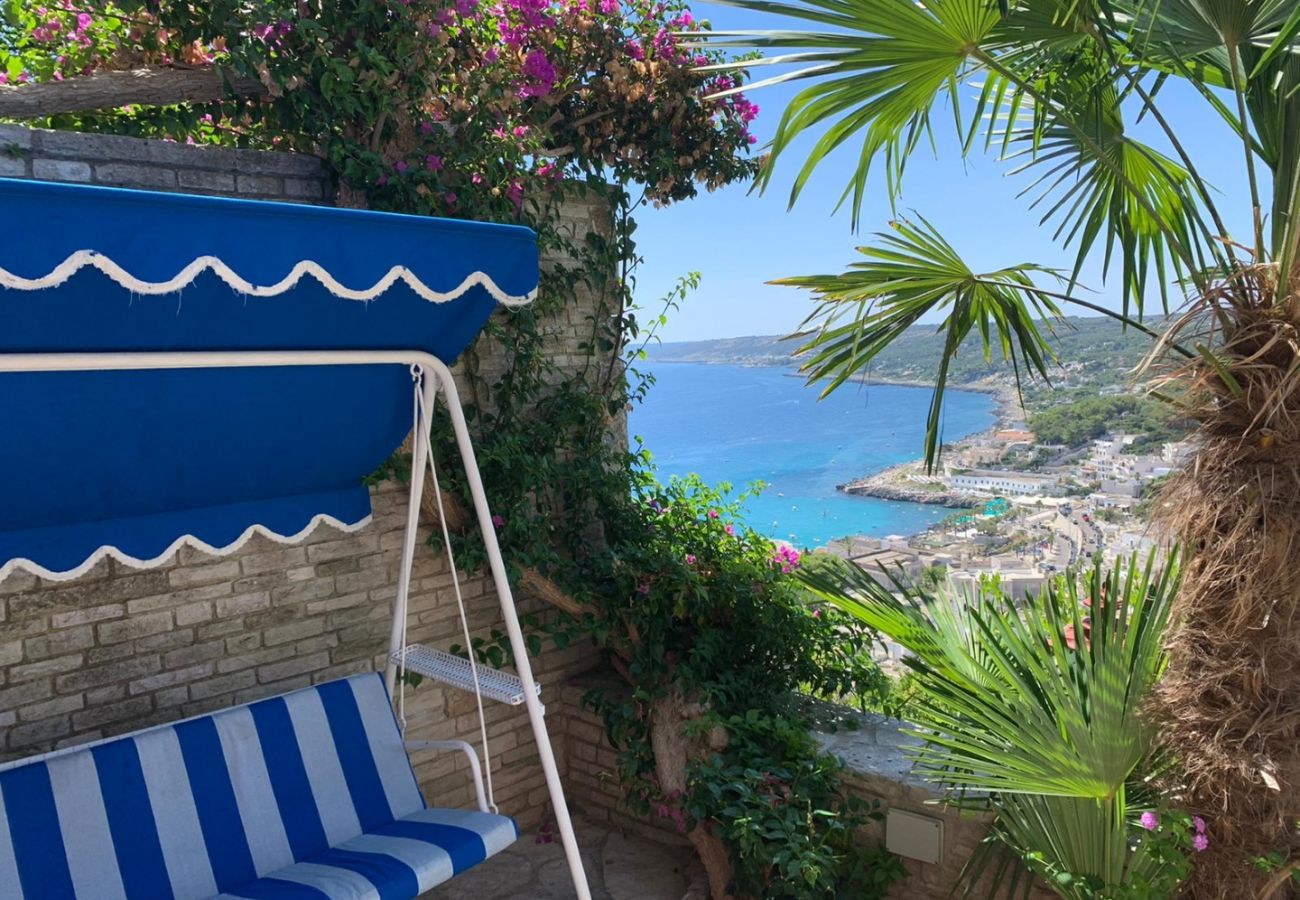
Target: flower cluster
469,108
785,558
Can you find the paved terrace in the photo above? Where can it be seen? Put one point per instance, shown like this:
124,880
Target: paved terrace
620,866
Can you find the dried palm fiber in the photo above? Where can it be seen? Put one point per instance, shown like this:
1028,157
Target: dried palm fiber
1229,704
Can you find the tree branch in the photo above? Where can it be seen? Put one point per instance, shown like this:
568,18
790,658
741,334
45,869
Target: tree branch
160,86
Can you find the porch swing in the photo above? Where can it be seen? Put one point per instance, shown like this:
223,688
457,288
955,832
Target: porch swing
194,372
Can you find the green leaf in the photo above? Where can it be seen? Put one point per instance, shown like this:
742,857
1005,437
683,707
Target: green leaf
905,277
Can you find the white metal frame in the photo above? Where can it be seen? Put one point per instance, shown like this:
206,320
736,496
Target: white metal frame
436,374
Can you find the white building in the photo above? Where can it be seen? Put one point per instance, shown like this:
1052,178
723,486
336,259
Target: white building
992,481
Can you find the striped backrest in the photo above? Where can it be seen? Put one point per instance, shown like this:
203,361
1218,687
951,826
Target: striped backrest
206,804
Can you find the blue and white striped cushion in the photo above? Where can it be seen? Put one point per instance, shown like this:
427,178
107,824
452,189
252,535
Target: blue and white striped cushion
307,795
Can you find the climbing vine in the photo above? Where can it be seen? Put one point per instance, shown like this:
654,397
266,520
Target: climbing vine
515,111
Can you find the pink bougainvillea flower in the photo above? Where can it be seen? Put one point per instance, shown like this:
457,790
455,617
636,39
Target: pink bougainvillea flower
498,521
1149,821
690,559
1199,824
713,514
729,528
400,166
450,199
1200,843
84,21
433,162
643,588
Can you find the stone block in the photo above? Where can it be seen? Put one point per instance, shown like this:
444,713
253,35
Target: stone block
16,136
131,175
60,170
303,189
203,181
259,185
79,145
12,166
263,163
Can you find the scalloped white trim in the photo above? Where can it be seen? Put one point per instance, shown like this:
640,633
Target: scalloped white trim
90,258
187,540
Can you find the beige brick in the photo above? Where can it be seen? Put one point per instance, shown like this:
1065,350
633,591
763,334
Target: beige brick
133,627
39,733
11,652
121,711
303,591
95,676
193,613
58,643
59,706
46,667
228,607
290,667
273,561
91,614
293,631
195,654
189,576
221,684
179,597
351,546
254,658
170,679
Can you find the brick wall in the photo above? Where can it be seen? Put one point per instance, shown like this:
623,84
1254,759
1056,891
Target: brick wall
119,649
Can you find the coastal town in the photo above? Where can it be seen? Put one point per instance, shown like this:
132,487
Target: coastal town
1023,510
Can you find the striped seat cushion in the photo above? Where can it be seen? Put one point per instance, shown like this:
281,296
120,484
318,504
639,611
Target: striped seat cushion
306,795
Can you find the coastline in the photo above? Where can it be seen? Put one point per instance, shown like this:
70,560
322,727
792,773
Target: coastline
908,481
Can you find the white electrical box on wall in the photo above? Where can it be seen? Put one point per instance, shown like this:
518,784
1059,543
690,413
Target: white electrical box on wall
914,836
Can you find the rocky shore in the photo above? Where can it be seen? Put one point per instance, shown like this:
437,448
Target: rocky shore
870,487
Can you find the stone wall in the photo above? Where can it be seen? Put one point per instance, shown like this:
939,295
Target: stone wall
161,165
121,648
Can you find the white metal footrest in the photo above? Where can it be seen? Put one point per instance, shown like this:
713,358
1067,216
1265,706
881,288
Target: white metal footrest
455,671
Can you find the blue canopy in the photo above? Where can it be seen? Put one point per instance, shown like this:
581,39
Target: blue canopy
131,463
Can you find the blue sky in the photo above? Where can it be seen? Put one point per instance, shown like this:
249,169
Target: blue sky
740,240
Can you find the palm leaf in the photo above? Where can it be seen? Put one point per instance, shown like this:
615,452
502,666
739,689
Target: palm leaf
907,275
1047,734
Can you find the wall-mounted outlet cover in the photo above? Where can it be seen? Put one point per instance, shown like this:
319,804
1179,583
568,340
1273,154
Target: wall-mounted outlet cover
914,836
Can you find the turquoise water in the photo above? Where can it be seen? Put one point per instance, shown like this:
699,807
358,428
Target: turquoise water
739,424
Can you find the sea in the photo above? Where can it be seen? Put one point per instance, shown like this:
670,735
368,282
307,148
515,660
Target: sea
742,424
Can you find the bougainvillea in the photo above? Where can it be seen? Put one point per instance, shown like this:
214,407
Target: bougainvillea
461,108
